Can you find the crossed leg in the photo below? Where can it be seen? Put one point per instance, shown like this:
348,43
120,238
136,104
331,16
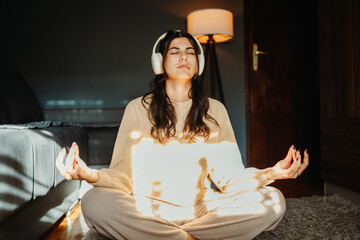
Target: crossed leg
238,215
220,216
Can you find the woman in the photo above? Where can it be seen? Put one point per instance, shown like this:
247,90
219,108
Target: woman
174,146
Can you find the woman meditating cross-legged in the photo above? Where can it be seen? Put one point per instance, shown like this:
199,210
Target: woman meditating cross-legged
176,170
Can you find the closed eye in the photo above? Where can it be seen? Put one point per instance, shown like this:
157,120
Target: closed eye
178,52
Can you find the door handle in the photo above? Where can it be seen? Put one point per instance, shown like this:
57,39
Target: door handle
256,53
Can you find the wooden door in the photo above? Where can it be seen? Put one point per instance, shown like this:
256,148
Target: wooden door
282,96
339,27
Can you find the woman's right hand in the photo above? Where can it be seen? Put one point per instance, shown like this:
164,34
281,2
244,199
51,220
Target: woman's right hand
75,168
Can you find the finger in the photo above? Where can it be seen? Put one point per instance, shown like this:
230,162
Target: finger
294,154
60,157
289,154
293,170
297,164
68,176
305,162
77,152
306,157
77,169
77,157
298,173
73,174
81,163
298,155
59,162
70,157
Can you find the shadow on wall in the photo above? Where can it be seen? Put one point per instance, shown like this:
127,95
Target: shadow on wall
92,51
78,54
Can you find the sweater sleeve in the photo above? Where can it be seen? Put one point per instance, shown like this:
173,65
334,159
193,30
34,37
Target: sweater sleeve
119,174
227,170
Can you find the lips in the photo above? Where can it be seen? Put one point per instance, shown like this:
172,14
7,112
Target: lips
184,66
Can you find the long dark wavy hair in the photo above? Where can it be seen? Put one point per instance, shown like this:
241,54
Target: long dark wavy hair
160,109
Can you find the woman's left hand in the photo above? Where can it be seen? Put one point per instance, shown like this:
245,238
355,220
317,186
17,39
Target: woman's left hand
290,167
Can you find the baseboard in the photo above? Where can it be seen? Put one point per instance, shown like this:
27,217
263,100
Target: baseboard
330,189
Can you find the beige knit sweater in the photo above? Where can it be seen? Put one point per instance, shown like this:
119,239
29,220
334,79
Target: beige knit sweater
179,172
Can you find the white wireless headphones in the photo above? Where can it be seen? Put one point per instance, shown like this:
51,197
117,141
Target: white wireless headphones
157,58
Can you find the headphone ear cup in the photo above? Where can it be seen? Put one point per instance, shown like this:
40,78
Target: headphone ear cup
157,63
201,62
157,58
201,57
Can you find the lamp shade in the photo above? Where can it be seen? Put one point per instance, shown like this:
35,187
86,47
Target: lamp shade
212,21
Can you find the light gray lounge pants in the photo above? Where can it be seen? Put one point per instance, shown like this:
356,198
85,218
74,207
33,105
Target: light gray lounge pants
241,215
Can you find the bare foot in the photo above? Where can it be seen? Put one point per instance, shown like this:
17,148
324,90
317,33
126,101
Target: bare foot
191,237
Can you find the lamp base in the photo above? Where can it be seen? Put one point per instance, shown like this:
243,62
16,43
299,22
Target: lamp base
211,65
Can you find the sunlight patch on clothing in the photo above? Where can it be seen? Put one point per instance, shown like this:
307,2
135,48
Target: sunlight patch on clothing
248,202
273,200
276,200
150,207
251,208
277,208
135,135
214,135
275,197
170,173
176,173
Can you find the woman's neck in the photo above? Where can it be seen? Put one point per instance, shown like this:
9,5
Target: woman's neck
178,91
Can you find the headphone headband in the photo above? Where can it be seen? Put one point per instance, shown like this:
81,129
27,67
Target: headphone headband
157,58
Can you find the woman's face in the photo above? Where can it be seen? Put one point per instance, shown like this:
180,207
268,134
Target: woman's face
180,61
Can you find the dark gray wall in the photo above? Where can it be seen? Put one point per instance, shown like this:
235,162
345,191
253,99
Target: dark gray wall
96,54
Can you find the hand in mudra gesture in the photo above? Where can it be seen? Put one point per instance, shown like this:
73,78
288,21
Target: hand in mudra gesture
75,168
290,167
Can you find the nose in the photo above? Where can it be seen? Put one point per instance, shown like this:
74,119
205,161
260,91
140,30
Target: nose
183,57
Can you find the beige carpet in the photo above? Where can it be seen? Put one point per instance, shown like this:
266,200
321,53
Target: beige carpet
316,217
